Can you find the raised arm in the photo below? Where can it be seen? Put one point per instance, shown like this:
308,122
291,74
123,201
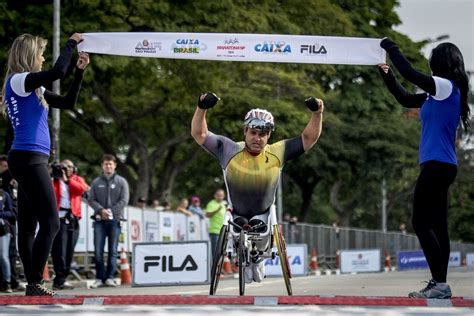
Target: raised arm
199,129
313,130
425,82
69,100
405,98
35,80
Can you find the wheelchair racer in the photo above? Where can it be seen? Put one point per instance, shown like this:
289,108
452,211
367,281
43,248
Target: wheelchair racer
252,168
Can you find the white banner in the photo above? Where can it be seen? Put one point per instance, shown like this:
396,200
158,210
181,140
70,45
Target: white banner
360,261
297,258
180,228
135,225
194,227
470,259
166,224
150,223
238,47
454,259
81,245
171,263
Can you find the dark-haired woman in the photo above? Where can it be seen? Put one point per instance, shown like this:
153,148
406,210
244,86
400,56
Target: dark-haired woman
27,103
443,105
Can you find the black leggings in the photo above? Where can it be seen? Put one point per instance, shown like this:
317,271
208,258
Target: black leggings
430,215
36,204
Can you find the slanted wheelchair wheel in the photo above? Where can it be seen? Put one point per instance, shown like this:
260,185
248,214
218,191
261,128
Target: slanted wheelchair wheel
218,260
285,266
242,262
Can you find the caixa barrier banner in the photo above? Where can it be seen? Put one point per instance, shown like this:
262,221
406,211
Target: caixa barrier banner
171,263
360,260
416,260
297,257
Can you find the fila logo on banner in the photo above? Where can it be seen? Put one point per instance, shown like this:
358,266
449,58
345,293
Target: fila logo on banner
167,263
314,49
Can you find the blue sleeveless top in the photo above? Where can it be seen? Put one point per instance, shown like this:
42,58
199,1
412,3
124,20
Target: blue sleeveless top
28,117
439,120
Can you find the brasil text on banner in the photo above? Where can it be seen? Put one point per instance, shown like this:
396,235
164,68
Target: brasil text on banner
238,47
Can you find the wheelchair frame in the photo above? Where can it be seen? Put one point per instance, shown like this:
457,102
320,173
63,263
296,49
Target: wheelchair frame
245,245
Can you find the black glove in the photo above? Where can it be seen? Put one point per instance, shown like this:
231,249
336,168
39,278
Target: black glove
209,101
388,44
312,104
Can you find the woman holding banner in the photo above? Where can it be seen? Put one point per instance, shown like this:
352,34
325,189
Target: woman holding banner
27,103
443,105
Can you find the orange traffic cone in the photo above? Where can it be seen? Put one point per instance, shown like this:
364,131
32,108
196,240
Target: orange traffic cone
313,263
125,275
388,262
46,273
227,266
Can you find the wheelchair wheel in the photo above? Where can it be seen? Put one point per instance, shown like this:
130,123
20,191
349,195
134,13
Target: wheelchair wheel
285,266
218,260
242,263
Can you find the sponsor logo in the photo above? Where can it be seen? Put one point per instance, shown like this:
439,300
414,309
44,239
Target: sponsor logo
231,47
188,46
277,47
406,260
314,49
167,264
291,260
147,47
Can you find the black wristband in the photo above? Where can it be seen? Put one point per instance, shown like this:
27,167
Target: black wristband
312,104
209,101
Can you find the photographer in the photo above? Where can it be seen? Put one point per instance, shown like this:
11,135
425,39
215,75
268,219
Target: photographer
68,188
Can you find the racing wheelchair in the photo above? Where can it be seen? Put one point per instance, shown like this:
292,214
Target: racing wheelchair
250,242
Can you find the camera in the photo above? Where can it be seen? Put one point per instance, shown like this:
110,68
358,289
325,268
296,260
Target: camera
57,170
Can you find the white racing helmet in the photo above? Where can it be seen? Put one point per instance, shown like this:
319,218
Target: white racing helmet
259,119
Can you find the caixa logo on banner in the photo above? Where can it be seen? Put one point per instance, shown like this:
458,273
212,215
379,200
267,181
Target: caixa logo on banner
278,47
171,263
297,254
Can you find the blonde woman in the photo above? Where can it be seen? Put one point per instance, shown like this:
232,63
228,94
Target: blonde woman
27,102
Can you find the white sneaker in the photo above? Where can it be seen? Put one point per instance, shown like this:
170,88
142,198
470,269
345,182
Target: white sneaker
248,274
258,271
96,284
110,283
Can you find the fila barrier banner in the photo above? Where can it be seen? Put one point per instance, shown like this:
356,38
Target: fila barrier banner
297,257
238,47
171,263
360,261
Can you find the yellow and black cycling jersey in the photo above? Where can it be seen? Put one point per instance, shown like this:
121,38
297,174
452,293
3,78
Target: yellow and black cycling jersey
251,180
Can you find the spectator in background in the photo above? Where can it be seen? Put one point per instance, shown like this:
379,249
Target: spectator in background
293,230
215,211
10,186
183,207
166,206
286,217
6,213
68,189
155,204
141,203
403,228
195,207
108,197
